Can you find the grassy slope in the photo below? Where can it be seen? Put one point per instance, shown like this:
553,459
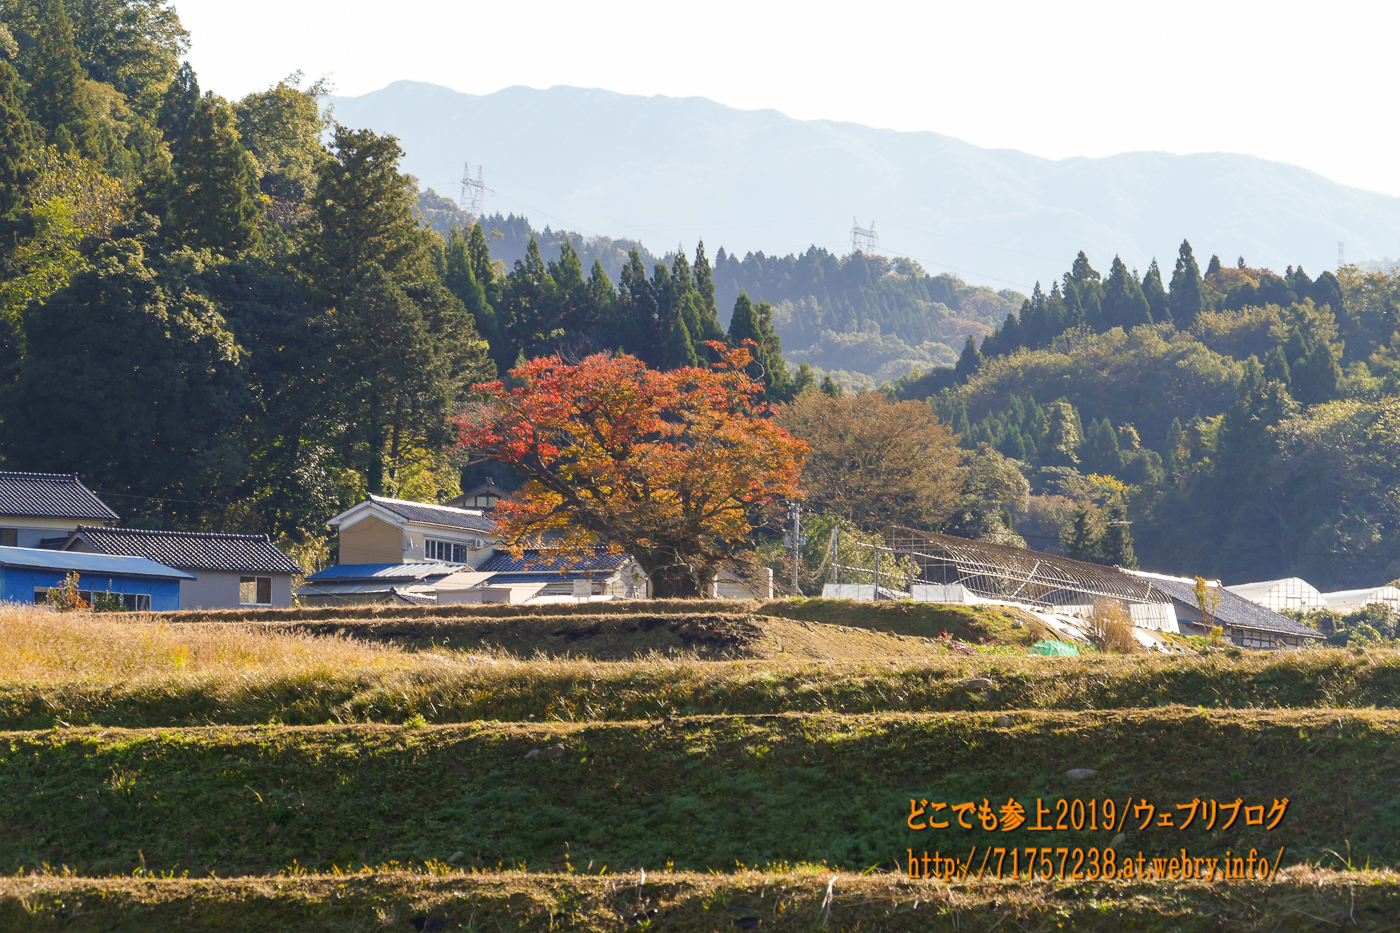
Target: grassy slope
700,792
449,688
691,903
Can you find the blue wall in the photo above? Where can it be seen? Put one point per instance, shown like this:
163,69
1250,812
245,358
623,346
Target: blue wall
18,585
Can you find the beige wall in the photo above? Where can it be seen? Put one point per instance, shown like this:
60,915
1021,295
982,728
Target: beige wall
371,541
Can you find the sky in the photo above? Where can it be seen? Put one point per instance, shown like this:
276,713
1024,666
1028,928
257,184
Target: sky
1305,83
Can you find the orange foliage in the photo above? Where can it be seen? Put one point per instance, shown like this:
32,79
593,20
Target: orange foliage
673,467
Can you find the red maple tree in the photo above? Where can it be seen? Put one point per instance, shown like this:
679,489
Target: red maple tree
673,467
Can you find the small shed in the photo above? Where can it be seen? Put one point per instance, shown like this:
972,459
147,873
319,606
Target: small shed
1349,601
1291,594
27,575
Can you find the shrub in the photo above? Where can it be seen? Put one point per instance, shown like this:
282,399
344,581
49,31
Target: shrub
1110,628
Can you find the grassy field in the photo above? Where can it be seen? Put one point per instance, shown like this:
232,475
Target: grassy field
527,757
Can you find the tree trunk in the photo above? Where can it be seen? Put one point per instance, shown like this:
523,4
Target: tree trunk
674,583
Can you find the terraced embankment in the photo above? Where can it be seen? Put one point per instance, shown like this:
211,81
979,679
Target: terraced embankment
468,763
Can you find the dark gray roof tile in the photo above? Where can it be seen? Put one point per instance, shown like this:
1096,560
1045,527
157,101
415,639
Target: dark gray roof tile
50,495
192,550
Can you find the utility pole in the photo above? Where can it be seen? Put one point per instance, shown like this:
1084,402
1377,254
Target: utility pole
795,540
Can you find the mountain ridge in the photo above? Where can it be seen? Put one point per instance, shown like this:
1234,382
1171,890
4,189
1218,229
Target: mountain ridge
675,169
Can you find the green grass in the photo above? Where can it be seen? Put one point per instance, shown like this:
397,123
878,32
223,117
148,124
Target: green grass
692,903
700,793
450,688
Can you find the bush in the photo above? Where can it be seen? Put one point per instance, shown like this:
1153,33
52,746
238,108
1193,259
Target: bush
1110,628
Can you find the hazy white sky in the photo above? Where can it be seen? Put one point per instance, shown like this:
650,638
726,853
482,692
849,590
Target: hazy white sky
1312,84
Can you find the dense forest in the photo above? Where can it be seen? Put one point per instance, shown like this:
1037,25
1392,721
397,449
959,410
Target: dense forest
1248,418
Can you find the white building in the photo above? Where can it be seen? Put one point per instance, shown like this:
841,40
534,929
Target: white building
1289,594
1346,602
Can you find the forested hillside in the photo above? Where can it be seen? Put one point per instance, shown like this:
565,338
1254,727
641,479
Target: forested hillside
1247,418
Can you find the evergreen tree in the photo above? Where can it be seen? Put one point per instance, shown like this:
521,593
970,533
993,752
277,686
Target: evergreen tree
483,270
1124,304
1276,367
57,101
1186,298
216,203
631,324
743,325
710,328
460,278
575,312
1214,265
602,296
1083,296
527,309
1171,456
832,390
969,362
365,216
16,141
1116,546
1100,452
1316,376
1079,540
177,108
1155,293
776,379
961,427
1008,338
675,350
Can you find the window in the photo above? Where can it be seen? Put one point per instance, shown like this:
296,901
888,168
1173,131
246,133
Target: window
446,551
9,537
131,602
486,501
255,591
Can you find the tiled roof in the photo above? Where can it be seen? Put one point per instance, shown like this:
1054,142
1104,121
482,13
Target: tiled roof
64,561
538,561
192,550
431,514
1236,611
420,570
50,495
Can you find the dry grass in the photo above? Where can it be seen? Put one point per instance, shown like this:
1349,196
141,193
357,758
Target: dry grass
1110,628
800,898
39,646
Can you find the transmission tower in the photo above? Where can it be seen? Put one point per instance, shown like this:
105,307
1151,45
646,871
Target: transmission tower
473,192
863,239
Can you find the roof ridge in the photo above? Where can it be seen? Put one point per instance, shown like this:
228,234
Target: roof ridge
71,478
227,535
425,505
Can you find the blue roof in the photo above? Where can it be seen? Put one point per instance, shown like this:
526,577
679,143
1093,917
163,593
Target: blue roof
420,570
63,561
560,562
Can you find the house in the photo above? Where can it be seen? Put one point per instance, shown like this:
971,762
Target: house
1242,621
539,573
482,497
230,571
27,575
36,506
420,553
381,530
347,584
1288,594
1346,602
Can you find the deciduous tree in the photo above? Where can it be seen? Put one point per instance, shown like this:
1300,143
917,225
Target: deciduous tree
674,467
876,462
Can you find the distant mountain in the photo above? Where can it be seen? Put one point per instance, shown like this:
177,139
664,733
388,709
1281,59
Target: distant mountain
668,171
